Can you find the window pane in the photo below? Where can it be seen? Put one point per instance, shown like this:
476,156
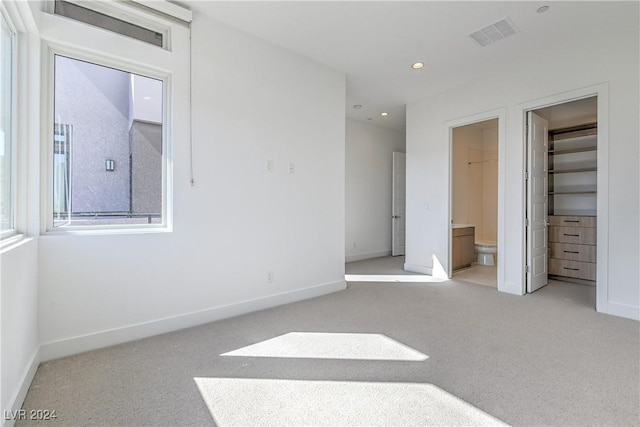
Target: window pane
107,155
6,137
91,17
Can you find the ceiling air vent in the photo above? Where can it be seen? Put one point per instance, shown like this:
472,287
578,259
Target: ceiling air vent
494,32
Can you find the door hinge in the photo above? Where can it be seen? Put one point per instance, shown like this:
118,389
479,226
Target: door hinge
526,175
526,222
526,268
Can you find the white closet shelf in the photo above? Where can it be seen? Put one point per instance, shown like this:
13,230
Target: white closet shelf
573,150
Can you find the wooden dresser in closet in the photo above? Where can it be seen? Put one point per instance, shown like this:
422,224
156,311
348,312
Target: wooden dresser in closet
572,247
573,203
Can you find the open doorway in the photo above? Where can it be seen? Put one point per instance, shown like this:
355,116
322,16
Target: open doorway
562,194
474,202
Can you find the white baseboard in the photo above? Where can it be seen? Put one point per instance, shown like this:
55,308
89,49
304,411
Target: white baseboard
418,269
17,399
622,310
79,344
367,255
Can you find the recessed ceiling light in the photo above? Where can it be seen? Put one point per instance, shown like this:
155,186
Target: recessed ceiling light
417,65
357,106
384,114
368,118
542,9
146,98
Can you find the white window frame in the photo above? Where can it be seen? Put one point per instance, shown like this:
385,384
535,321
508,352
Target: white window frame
122,65
18,20
124,12
67,37
13,231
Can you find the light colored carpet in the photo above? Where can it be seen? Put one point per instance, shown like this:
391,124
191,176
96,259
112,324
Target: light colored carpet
384,269
335,403
322,345
384,265
543,359
479,274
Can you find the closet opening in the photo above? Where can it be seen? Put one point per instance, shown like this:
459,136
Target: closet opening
562,194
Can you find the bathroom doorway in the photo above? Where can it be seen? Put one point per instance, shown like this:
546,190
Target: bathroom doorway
474,202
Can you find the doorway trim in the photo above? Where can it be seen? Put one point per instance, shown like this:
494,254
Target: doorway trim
602,181
499,114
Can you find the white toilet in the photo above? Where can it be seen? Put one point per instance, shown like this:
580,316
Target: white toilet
486,251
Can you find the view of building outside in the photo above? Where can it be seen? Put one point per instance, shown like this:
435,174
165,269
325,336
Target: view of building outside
107,159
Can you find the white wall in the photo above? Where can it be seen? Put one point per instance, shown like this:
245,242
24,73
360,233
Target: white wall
19,321
19,339
252,102
522,82
368,179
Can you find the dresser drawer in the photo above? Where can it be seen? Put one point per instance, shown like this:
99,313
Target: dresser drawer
581,236
572,221
572,252
575,269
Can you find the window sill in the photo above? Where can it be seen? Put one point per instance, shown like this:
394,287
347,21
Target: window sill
75,231
13,242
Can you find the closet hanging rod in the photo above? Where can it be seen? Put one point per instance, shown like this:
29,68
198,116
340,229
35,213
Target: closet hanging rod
482,161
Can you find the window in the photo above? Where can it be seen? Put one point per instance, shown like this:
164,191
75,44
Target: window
93,17
7,182
117,107
108,150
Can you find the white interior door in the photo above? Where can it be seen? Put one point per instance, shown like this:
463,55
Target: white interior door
398,220
537,197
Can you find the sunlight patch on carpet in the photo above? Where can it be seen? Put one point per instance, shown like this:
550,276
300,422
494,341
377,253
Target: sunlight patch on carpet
256,402
319,345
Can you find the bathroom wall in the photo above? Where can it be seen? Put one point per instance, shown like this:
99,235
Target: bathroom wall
475,185
489,229
463,139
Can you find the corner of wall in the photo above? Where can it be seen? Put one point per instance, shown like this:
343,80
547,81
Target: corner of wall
16,400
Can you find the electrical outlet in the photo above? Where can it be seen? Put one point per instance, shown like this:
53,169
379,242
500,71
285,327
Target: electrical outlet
354,245
269,276
292,168
268,166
